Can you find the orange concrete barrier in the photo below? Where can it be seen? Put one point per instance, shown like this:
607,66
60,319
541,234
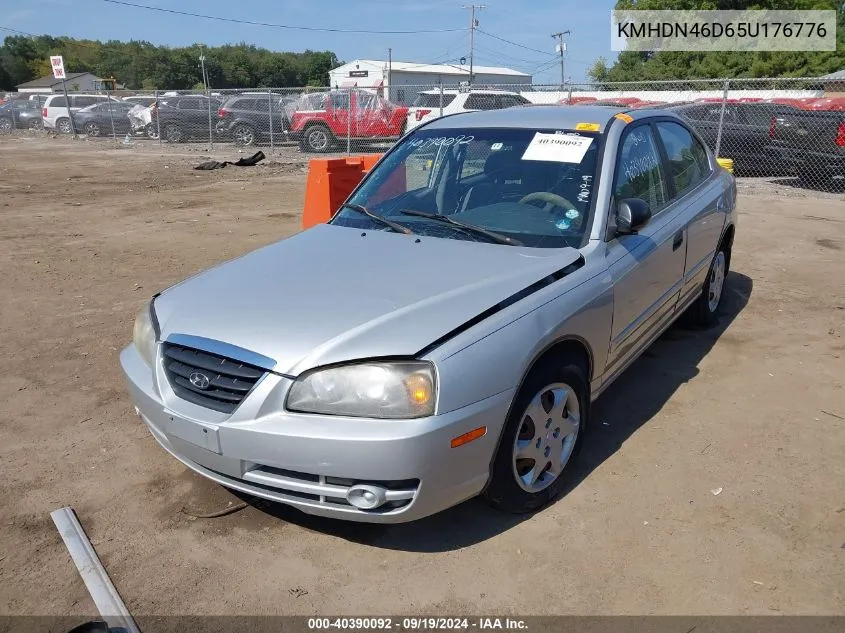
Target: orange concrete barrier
330,181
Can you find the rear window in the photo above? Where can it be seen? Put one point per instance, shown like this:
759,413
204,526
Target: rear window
428,100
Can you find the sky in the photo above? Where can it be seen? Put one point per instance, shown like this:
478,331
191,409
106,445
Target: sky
529,24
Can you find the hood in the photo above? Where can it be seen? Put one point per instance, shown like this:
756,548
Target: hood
329,294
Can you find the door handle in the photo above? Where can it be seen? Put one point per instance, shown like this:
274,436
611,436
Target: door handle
679,239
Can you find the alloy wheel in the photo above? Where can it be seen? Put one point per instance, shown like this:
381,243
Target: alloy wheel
546,437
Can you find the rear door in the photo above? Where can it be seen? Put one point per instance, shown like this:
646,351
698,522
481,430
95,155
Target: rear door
647,268
698,201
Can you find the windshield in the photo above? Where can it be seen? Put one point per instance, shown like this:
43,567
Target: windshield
533,186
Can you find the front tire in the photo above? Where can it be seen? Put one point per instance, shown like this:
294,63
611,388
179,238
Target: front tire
92,129
5,124
705,311
151,131
541,438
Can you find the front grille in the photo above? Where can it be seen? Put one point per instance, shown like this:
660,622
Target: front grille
229,380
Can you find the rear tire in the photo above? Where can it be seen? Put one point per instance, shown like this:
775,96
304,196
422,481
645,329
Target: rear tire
317,139
535,457
5,124
92,129
151,131
243,135
63,125
705,311
37,124
173,133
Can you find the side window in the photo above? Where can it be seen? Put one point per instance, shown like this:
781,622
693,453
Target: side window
684,153
340,100
640,174
58,102
190,104
84,102
481,102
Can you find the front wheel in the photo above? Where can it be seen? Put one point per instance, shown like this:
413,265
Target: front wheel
92,129
541,438
151,131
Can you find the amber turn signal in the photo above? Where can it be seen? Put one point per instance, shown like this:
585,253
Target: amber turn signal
466,438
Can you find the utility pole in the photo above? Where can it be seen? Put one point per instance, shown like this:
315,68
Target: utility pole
473,24
561,47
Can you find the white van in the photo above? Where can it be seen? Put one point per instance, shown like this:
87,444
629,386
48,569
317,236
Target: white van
56,114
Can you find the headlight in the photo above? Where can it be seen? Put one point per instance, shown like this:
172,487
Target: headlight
144,335
368,390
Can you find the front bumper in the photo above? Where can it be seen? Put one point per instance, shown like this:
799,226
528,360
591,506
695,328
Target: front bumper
311,461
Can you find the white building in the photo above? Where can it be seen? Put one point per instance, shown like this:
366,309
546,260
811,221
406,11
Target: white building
401,81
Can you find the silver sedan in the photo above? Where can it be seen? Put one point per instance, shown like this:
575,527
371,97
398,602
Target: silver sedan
444,336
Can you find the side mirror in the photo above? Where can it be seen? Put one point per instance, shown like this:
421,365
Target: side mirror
632,214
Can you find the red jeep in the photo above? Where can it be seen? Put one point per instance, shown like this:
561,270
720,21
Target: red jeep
320,119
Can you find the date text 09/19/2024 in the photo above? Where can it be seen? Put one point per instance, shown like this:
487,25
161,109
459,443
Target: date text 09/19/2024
415,624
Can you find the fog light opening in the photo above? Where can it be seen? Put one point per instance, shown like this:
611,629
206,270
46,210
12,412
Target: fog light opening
366,497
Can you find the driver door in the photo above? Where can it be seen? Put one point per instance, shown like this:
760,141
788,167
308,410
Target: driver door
647,269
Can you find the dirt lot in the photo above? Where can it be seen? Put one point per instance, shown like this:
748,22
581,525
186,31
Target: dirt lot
755,408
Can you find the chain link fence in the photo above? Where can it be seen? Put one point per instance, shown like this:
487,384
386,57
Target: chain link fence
768,127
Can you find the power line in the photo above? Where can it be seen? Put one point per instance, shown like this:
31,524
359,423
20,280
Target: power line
279,26
502,39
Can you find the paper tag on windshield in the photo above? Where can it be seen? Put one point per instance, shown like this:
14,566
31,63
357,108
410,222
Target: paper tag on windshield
559,148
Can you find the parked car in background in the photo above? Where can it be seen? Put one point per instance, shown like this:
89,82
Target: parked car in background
745,133
812,143
427,105
458,323
320,120
252,118
144,100
183,117
56,111
20,114
104,119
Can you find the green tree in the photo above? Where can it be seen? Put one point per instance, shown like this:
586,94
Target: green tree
141,65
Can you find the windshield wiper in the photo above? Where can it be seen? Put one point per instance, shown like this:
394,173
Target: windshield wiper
399,228
496,237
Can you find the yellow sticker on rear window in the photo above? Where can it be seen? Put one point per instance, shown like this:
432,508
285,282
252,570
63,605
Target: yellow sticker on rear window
624,117
588,127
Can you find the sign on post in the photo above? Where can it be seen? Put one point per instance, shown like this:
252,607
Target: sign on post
58,65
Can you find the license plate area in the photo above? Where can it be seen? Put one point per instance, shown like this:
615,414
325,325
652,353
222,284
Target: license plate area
198,433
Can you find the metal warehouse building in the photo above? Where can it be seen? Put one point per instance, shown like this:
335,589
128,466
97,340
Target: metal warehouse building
403,80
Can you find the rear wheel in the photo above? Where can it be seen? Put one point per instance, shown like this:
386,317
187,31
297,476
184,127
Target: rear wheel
36,124
317,138
173,133
243,135
93,129
151,131
5,124
63,125
705,311
541,439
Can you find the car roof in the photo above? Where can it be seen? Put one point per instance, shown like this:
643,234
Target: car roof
537,116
